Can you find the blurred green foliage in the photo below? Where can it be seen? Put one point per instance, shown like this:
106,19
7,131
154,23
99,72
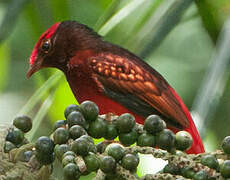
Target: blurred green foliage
173,31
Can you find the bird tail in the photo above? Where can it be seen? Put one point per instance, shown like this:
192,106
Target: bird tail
197,146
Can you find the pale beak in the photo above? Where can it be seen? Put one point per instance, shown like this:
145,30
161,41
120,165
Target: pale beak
33,68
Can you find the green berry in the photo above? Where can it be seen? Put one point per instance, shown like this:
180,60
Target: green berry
210,161
183,140
59,123
90,110
125,123
71,172
201,175
146,139
92,148
187,172
128,139
166,140
154,124
16,136
88,138
45,158
68,159
80,146
61,135
71,108
225,169
24,123
108,165
226,145
101,146
76,118
8,146
98,128
68,153
76,131
116,151
130,162
172,169
44,145
111,132
60,150
92,162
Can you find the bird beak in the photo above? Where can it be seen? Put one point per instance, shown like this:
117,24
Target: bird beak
33,68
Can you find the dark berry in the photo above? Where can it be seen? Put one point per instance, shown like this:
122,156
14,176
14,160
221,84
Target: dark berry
111,132
16,136
98,128
45,158
61,135
166,139
183,140
76,118
76,131
146,139
71,108
226,145
68,153
101,146
201,175
24,123
44,145
125,123
92,162
108,164
172,169
68,159
27,156
225,169
128,139
116,151
154,124
210,161
60,150
59,123
71,172
130,162
8,146
90,110
80,146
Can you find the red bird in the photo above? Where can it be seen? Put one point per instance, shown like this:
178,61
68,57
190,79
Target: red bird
114,78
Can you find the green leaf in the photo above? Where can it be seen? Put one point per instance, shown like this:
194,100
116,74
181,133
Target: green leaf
120,15
215,81
4,63
213,14
36,97
63,97
9,20
107,14
154,32
37,120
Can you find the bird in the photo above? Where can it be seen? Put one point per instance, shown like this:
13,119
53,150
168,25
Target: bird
114,78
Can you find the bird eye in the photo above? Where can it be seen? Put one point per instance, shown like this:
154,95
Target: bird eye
46,46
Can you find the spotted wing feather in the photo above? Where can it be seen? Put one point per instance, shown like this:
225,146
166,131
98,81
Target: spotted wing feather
142,90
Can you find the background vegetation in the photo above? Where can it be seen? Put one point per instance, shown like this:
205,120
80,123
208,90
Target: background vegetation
186,41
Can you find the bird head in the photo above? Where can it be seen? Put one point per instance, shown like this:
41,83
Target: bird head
59,43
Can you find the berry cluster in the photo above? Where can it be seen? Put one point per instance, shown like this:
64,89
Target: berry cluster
73,145
15,137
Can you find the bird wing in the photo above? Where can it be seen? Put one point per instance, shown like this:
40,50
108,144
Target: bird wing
133,83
